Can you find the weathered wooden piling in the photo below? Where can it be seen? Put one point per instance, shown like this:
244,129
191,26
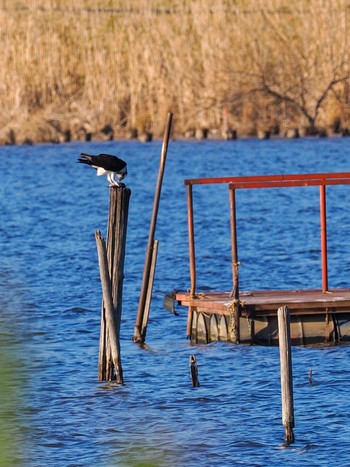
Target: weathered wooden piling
286,373
194,371
115,256
146,287
310,376
113,366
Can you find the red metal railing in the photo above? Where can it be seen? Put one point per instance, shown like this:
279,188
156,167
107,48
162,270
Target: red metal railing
263,181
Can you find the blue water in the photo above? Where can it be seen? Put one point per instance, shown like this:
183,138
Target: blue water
53,410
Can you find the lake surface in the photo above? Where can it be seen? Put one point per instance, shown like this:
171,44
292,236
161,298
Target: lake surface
53,410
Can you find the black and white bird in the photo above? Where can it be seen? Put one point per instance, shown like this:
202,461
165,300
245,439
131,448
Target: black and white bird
105,164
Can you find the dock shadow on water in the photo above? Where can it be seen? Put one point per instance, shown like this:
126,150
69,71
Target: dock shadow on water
55,410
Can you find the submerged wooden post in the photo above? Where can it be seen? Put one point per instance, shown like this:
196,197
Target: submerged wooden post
286,373
194,371
139,324
116,242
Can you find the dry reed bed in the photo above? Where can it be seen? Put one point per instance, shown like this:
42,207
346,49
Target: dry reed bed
70,71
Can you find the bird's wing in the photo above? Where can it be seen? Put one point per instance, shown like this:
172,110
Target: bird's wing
109,162
106,161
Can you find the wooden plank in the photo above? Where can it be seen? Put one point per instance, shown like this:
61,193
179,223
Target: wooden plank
270,296
267,302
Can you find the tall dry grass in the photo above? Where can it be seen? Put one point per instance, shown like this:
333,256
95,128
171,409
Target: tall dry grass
126,63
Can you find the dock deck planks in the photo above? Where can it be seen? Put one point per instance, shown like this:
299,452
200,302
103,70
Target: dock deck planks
267,302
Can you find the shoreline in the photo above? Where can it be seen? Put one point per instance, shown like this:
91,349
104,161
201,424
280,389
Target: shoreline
20,138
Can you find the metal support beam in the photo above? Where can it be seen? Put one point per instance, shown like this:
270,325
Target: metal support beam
235,263
191,240
323,219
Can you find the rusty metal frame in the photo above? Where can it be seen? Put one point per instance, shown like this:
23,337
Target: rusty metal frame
270,178
263,181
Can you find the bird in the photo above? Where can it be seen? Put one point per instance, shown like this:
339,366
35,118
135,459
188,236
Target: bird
106,164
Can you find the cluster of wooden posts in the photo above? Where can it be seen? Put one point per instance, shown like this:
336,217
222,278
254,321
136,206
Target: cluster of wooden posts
111,264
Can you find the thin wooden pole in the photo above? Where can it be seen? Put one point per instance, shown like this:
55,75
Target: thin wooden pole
111,325
149,289
286,373
148,260
323,220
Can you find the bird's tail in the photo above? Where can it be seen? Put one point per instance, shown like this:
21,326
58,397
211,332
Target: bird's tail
85,159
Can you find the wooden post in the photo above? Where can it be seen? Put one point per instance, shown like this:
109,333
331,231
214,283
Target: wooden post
110,319
138,337
286,373
310,376
116,242
189,322
235,312
194,371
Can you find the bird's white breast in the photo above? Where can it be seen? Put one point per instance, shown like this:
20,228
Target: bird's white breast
100,171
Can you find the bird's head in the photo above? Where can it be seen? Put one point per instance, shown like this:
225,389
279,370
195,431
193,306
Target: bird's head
122,174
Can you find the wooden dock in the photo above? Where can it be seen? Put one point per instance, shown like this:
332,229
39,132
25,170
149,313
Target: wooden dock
317,316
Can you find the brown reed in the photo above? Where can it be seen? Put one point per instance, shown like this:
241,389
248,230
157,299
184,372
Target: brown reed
74,69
